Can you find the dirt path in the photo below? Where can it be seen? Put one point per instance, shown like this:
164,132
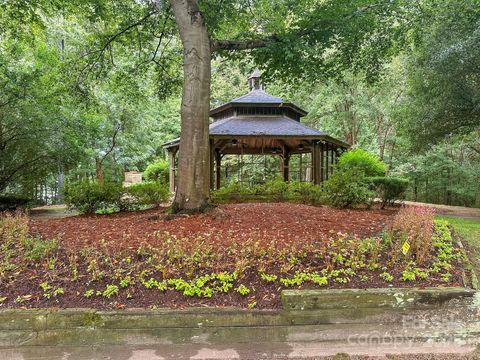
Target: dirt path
51,212
458,211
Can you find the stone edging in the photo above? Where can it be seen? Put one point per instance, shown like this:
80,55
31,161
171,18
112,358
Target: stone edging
304,311
402,298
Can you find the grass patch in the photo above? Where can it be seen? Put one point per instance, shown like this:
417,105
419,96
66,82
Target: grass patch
468,229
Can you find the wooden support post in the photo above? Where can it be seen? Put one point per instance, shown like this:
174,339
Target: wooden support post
321,172
332,160
212,168
218,167
316,163
300,171
327,172
171,176
286,159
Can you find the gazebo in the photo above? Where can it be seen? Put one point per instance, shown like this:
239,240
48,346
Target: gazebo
258,123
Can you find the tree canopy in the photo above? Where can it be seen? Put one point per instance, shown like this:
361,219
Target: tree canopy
92,88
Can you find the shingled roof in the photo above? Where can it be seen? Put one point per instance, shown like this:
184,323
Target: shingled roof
260,120
257,96
258,125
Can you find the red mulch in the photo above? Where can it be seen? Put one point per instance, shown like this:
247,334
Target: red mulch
233,222
226,224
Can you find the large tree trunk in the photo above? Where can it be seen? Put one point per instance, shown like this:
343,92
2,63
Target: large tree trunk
193,165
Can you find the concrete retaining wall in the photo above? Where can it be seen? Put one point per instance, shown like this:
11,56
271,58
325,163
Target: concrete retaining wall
307,316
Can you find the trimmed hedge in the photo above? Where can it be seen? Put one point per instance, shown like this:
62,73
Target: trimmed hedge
158,171
362,160
90,197
389,188
348,188
14,202
148,193
273,191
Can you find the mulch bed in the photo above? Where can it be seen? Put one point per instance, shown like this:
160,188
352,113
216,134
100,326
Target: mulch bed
263,221
127,232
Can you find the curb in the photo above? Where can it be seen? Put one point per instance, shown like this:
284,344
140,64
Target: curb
328,314
389,298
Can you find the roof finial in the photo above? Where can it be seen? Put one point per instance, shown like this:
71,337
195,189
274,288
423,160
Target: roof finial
254,80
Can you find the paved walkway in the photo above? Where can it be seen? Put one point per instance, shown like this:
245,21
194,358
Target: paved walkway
460,211
51,212
247,351
447,331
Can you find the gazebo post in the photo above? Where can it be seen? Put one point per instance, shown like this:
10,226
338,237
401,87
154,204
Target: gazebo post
212,158
316,162
286,160
322,175
218,167
332,160
327,172
171,175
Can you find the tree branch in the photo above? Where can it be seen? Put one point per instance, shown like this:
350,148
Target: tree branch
232,45
114,142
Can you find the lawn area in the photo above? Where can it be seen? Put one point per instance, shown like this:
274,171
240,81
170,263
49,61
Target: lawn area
235,255
468,229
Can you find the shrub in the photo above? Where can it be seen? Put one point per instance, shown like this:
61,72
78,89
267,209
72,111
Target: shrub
158,171
89,197
13,228
347,187
362,160
234,191
389,188
274,190
415,225
14,202
148,193
306,192
277,189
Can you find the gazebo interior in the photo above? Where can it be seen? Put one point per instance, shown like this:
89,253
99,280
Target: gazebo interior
248,131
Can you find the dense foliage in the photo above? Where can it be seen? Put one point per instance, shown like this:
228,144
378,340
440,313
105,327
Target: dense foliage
90,197
158,171
91,89
389,188
367,163
348,188
148,193
273,190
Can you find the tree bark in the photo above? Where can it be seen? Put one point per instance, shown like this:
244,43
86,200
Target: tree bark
192,193
99,174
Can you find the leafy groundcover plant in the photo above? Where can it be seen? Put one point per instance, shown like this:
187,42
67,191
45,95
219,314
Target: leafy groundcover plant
251,273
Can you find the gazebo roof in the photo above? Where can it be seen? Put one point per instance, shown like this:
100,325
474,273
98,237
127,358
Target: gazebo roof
258,114
261,125
258,96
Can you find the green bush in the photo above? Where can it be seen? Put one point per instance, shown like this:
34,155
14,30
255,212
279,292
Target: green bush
158,171
274,190
362,160
89,197
13,202
389,188
148,193
306,192
277,189
234,191
347,187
